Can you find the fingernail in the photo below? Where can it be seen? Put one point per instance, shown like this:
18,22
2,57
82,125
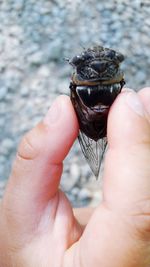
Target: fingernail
53,113
135,103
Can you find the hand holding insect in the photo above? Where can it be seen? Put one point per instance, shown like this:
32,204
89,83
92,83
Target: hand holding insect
37,225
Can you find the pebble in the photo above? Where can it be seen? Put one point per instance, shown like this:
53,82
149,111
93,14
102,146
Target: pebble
3,92
44,71
2,159
24,91
75,191
85,194
84,197
6,146
36,58
15,30
70,179
74,172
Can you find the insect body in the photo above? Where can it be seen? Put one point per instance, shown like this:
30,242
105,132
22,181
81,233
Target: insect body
96,82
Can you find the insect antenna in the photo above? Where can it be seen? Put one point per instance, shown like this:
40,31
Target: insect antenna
66,59
83,47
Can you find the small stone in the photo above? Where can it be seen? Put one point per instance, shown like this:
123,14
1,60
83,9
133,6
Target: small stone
6,146
71,198
36,58
2,159
85,194
3,92
18,5
44,71
13,78
54,51
15,30
140,76
3,108
74,172
75,191
96,199
31,48
24,91
63,87
71,179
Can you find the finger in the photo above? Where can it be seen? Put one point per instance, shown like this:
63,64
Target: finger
145,97
38,166
127,165
126,187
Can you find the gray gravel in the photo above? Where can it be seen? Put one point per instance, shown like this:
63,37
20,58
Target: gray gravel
35,37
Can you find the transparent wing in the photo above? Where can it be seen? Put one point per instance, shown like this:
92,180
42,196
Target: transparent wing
93,151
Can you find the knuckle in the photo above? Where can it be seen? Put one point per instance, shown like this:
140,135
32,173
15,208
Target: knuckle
141,219
27,149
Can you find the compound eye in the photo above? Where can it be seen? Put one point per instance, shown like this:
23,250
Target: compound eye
120,57
77,60
110,54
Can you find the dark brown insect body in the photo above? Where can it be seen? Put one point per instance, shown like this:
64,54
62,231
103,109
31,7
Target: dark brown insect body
95,84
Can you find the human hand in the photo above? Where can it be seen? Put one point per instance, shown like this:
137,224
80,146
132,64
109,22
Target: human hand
37,224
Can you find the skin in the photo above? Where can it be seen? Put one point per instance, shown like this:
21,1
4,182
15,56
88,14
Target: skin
38,227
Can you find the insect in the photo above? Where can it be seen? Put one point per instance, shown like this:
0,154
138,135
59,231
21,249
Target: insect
96,81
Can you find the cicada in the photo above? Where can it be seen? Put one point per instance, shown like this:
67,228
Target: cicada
96,81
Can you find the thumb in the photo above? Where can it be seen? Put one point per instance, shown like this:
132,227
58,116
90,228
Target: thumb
123,216
127,165
111,237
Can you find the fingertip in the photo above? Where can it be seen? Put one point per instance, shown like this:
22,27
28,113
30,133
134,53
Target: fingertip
66,128
126,172
144,91
127,123
126,90
71,118
144,95
62,113
52,137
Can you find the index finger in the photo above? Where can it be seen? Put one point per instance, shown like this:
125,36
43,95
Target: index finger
37,169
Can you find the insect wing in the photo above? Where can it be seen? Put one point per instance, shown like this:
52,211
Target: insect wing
93,151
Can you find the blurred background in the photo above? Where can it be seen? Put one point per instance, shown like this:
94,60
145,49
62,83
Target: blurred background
35,37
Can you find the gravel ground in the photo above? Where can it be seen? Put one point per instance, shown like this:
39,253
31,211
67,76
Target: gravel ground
35,37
